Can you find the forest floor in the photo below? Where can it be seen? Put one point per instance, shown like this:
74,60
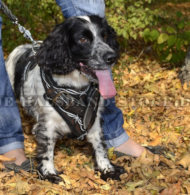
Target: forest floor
156,112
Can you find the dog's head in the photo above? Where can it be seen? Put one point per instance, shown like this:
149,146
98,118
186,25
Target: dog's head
86,43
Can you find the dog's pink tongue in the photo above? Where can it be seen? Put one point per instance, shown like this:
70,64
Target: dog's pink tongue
106,85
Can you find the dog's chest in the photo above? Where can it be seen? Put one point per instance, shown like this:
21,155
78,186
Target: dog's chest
76,111
77,106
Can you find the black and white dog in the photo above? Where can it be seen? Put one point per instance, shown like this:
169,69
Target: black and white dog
61,86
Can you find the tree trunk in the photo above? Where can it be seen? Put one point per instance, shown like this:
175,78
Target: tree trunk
184,74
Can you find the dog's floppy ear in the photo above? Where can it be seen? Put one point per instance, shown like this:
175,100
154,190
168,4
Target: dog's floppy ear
54,53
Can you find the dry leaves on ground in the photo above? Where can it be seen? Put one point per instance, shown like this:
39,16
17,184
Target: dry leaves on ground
156,112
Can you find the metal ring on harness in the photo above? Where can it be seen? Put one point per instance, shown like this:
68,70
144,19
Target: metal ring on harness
36,46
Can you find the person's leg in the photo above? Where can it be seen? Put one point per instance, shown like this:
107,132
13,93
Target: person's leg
72,8
11,136
114,134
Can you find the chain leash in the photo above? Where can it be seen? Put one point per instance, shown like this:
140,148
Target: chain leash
26,33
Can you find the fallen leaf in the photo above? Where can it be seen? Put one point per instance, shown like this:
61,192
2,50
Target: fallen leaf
132,185
123,192
186,185
146,158
156,141
169,163
174,189
185,86
105,187
111,154
185,160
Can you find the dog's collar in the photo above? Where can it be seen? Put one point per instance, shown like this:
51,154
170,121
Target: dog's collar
77,107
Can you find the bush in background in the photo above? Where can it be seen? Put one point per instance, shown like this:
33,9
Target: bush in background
130,17
171,39
139,20
134,20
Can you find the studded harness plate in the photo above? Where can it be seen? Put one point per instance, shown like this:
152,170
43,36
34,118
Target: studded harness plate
77,107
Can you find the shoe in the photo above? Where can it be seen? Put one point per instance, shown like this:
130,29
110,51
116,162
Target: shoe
156,149
160,150
27,165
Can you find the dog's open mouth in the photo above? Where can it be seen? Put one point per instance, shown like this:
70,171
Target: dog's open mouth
106,85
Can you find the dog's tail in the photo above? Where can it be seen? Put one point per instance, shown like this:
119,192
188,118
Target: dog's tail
13,59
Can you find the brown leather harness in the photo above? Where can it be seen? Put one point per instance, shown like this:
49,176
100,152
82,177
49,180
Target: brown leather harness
77,107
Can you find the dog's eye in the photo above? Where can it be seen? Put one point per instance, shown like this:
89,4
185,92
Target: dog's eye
83,40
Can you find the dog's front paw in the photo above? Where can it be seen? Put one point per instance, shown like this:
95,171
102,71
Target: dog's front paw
49,173
115,175
53,178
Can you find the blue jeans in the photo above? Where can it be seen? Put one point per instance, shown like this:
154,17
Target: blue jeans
11,136
113,131
82,7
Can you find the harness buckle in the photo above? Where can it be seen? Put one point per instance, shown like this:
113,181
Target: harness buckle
81,137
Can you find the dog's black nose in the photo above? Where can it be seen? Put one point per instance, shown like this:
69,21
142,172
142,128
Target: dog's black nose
110,58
